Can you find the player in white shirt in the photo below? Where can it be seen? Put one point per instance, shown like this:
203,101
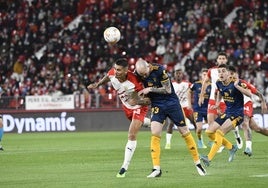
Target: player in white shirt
181,88
212,77
127,85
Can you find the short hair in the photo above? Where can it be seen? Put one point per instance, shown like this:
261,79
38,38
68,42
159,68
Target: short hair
204,70
222,54
232,68
122,62
224,66
178,69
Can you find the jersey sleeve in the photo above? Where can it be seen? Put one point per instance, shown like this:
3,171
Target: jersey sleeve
111,72
133,78
209,73
249,86
163,74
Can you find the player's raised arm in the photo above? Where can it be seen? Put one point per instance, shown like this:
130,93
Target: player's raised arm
104,80
243,90
166,89
205,84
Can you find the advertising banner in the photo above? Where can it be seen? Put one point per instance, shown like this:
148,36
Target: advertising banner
72,121
46,102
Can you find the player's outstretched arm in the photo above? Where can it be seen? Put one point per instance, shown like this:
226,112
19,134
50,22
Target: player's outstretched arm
244,91
166,89
135,99
263,102
104,80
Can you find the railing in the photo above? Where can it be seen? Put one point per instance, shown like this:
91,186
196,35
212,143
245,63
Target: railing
80,102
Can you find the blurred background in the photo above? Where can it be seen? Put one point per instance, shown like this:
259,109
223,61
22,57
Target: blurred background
56,47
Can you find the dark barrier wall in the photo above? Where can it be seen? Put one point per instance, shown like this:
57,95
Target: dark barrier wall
93,120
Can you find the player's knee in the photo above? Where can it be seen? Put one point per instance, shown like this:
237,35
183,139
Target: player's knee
210,134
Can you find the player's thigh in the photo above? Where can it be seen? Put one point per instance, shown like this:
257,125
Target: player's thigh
134,126
177,116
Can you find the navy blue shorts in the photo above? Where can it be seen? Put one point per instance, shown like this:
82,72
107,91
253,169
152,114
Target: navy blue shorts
236,119
172,110
200,116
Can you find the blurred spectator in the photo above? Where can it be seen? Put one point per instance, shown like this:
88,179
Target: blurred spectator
67,36
18,69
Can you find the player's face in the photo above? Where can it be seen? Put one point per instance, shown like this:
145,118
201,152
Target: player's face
178,75
222,59
223,74
120,72
233,75
144,73
204,75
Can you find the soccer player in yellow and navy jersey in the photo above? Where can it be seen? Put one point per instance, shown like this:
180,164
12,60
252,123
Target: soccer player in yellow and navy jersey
232,93
164,103
200,112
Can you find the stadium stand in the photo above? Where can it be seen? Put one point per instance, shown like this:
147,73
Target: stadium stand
59,44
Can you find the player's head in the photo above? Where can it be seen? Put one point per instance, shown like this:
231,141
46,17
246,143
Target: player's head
203,73
121,68
142,68
222,58
122,62
223,71
178,74
233,72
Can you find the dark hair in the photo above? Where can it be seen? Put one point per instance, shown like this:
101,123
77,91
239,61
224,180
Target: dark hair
224,66
122,62
204,70
232,68
222,54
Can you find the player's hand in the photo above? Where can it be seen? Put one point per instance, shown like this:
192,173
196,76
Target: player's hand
132,102
145,91
213,107
92,86
201,100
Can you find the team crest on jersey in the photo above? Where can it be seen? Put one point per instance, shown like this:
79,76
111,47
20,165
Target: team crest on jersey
182,122
165,75
222,116
150,84
226,94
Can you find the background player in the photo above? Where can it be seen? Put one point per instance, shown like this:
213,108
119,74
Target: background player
212,78
200,112
232,93
249,122
1,132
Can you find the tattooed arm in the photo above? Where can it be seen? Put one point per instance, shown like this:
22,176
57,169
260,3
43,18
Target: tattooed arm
104,80
165,89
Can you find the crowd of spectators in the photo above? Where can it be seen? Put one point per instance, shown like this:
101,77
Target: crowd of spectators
41,55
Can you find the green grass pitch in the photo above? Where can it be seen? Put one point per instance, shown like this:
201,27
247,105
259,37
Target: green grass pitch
92,159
